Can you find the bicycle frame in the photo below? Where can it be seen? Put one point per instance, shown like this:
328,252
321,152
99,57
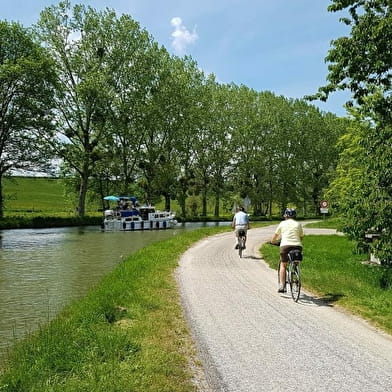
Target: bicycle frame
241,242
293,275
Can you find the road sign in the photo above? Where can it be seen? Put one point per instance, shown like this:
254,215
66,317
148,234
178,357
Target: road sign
323,204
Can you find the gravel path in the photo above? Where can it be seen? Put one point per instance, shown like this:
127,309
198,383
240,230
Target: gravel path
250,338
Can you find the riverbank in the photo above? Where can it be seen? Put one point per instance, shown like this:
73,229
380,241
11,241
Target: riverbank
38,222
129,332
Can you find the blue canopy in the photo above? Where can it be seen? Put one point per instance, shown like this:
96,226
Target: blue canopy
111,198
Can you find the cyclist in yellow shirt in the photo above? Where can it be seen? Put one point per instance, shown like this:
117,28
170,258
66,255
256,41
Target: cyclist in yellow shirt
290,233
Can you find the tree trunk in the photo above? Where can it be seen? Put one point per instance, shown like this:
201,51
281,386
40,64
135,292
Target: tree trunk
167,202
1,197
258,209
82,194
217,199
182,203
204,203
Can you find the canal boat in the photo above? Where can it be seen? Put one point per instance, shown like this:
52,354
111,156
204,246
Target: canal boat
129,216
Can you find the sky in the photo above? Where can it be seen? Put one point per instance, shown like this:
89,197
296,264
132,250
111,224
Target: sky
266,45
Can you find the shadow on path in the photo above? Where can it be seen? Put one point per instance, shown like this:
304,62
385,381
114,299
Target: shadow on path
327,300
252,257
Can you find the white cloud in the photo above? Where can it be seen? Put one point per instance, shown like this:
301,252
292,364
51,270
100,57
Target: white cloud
182,37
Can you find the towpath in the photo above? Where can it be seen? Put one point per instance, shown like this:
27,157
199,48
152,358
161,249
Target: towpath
252,339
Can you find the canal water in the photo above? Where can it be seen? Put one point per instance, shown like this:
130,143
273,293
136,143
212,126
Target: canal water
42,270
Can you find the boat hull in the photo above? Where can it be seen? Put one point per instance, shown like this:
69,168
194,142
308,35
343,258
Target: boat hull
144,218
130,225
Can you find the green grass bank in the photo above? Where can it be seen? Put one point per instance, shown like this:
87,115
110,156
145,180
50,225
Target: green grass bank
338,275
129,332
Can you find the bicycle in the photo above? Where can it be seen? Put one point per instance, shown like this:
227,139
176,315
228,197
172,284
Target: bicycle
241,241
293,273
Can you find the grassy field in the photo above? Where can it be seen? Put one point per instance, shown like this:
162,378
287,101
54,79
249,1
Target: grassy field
38,196
29,194
333,271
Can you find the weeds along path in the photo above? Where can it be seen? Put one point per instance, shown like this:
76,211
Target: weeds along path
250,338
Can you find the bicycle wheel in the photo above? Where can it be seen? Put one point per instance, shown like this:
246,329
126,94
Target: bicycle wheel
295,280
240,246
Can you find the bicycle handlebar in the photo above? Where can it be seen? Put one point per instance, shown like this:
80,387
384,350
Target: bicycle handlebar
274,243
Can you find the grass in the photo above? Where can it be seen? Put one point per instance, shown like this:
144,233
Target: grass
36,195
29,197
327,223
128,334
332,270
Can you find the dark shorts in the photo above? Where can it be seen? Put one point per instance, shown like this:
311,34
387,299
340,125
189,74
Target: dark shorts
284,250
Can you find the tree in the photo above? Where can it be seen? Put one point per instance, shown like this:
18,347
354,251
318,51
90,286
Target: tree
101,68
220,122
362,63
211,145
171,118
25,101
250,127
352,183
133,70
315,140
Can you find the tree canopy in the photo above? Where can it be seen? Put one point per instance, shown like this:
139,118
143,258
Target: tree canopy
362,63
130,118
25,101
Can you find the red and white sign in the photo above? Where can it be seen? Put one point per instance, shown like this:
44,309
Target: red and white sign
323,204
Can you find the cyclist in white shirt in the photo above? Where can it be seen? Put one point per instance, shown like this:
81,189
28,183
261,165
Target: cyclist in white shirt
240,222
290,233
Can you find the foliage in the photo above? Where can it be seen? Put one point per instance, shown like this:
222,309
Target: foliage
25,101
130,118
362,64
52,220
103,66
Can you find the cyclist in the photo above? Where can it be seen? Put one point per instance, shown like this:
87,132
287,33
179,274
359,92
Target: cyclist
290,233
240,222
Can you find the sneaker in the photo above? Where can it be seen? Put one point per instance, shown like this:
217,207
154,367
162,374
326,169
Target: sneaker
281,289
236,247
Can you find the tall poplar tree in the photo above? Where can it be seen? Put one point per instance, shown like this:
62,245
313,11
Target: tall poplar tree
103,75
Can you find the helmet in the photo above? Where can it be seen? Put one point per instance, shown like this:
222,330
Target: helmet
290,213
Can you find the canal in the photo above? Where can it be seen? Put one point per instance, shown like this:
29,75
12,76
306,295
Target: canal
42,270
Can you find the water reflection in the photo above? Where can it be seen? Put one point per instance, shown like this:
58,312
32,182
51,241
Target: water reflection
41,270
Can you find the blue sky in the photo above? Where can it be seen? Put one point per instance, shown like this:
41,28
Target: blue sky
274,45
